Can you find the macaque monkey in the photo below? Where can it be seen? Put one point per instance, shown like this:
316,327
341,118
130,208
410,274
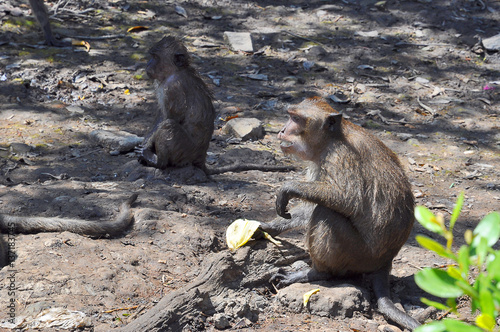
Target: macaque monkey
359,207
185,123
42,16
29,225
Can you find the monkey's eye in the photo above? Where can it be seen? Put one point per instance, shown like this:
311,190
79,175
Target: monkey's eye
295,118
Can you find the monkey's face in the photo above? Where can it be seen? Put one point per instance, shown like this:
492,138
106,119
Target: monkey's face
168,56
293,136
152,68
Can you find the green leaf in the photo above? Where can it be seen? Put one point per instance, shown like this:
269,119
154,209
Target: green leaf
464,260
493,267
488,228
427,219
432,245
431,327
458,326
456,210
452,303
467,288
438,283
481,250
485,321
434,304
454,272
486,298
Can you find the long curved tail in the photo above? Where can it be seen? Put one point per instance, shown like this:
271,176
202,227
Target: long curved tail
385,305
27,225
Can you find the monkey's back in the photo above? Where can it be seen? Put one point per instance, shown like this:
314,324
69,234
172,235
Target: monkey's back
188,101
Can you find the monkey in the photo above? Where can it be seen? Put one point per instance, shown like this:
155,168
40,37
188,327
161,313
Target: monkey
184,126
359,206
29,225
42,16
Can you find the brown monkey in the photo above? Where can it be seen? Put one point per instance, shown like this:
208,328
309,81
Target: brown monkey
27,225
359,209
42,17
185,123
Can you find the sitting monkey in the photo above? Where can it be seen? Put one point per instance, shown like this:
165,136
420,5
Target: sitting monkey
359,207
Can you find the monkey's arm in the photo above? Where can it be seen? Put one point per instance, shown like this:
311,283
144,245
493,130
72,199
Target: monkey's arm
299,218
321,193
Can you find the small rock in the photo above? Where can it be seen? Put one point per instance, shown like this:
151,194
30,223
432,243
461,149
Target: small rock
404,136
308,65
421,80
340,300
366,34
316,52
243,323
73,109
221,322
244,128
239,41
20,148
492,43
413,141
257,77
181,11
388,328
116,140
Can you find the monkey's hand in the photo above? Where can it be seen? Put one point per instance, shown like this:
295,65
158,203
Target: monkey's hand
284,196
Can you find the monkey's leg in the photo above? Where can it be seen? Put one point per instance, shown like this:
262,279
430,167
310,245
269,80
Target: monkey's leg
172,146
42,17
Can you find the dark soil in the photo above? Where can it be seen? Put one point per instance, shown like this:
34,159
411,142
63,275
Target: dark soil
420,83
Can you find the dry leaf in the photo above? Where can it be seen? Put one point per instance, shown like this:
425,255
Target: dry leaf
137,29
307,295
81,43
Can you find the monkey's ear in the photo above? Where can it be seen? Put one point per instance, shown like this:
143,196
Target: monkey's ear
332,122
181,60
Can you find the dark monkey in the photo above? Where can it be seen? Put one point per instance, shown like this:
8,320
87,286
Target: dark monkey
42,17
185,123
28,225
360,206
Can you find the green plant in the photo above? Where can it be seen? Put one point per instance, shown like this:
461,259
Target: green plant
483,289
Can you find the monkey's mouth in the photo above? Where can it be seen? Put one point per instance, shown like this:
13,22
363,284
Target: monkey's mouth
286,144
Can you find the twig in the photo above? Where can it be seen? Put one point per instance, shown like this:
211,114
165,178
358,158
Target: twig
427,108
308,39
413,265
119,309
420,45
98,37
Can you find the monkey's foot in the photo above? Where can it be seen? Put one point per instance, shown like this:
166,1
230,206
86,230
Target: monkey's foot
146,157
283,279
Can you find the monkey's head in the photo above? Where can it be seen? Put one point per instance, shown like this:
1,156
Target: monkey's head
310,128
168,56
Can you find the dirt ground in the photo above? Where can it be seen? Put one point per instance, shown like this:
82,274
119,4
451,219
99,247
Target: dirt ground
410,70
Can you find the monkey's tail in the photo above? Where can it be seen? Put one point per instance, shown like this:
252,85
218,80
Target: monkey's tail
29,225
385,305
249,167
